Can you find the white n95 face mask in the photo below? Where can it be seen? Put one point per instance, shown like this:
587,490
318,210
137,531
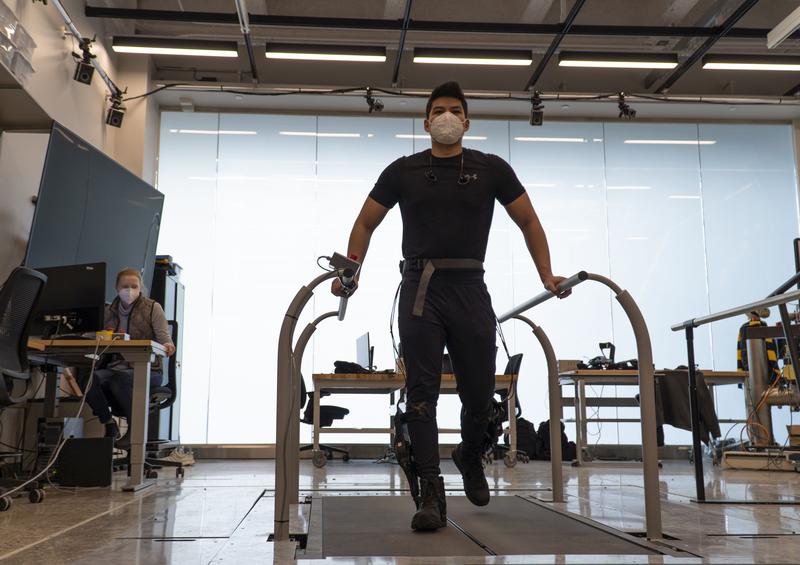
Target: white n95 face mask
447,128
128,295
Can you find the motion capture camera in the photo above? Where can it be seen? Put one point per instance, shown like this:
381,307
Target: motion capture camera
83,72
116,112
537,110
115,116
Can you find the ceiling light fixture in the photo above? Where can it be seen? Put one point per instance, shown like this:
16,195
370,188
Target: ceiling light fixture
439,56
360,54
618,60
751,63
170,46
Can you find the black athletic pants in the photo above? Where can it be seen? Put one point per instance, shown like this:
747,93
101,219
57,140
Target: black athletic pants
458,314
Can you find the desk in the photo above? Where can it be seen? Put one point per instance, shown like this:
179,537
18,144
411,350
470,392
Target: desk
387,383
580,378
139,353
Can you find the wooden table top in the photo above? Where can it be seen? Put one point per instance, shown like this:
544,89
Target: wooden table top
42,345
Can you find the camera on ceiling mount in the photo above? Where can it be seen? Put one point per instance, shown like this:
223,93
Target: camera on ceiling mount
537,109
375,104
84,70
625,111
117,111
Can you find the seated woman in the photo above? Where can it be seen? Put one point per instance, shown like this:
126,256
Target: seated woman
140,317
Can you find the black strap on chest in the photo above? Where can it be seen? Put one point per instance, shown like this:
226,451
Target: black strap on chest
428,267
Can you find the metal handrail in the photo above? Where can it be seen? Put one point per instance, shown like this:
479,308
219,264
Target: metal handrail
744,309
644,351
565,285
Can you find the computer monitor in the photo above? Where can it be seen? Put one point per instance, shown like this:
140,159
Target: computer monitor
73,300
364,352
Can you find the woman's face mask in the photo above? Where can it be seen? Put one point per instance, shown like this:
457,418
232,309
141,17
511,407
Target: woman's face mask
128,289
447,128
128,295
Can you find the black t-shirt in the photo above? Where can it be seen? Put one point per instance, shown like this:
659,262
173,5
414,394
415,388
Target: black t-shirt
444,219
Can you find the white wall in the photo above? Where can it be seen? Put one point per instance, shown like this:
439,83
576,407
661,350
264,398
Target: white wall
21,163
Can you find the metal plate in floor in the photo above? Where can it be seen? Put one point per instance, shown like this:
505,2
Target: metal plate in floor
510,525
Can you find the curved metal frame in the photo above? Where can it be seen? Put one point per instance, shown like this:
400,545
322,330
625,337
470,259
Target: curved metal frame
293,484
288,409
647,404
557,476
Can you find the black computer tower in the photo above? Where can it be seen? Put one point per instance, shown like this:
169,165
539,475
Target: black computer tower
168,291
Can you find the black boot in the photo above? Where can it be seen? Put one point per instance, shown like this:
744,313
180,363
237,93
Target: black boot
471,468
432,513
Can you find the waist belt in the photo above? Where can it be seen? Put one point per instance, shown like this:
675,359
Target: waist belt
428,267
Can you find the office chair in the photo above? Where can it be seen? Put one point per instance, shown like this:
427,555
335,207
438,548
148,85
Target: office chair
161,397
327,415
18,299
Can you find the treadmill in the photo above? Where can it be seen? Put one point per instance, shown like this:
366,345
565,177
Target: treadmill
377,526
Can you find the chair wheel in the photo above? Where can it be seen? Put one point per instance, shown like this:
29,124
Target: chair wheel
319,459
346,457
151,474
5,503
509,460
179,472
36,496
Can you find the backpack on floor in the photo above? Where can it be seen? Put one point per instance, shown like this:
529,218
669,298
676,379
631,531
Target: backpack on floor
527,439
568,448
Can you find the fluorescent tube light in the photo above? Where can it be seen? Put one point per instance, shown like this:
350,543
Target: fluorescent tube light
315,134
472,57
553,139
213,132
670,141
751,63
629,187
170,46
326,53
618,60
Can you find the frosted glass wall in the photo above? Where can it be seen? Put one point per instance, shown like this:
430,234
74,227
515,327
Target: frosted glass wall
689,218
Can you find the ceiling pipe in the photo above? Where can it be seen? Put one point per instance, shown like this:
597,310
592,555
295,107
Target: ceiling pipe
520,96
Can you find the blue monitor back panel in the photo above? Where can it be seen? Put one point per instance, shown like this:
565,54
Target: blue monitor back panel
92,209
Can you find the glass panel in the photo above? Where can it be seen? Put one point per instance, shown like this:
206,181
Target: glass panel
187,176
750,214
